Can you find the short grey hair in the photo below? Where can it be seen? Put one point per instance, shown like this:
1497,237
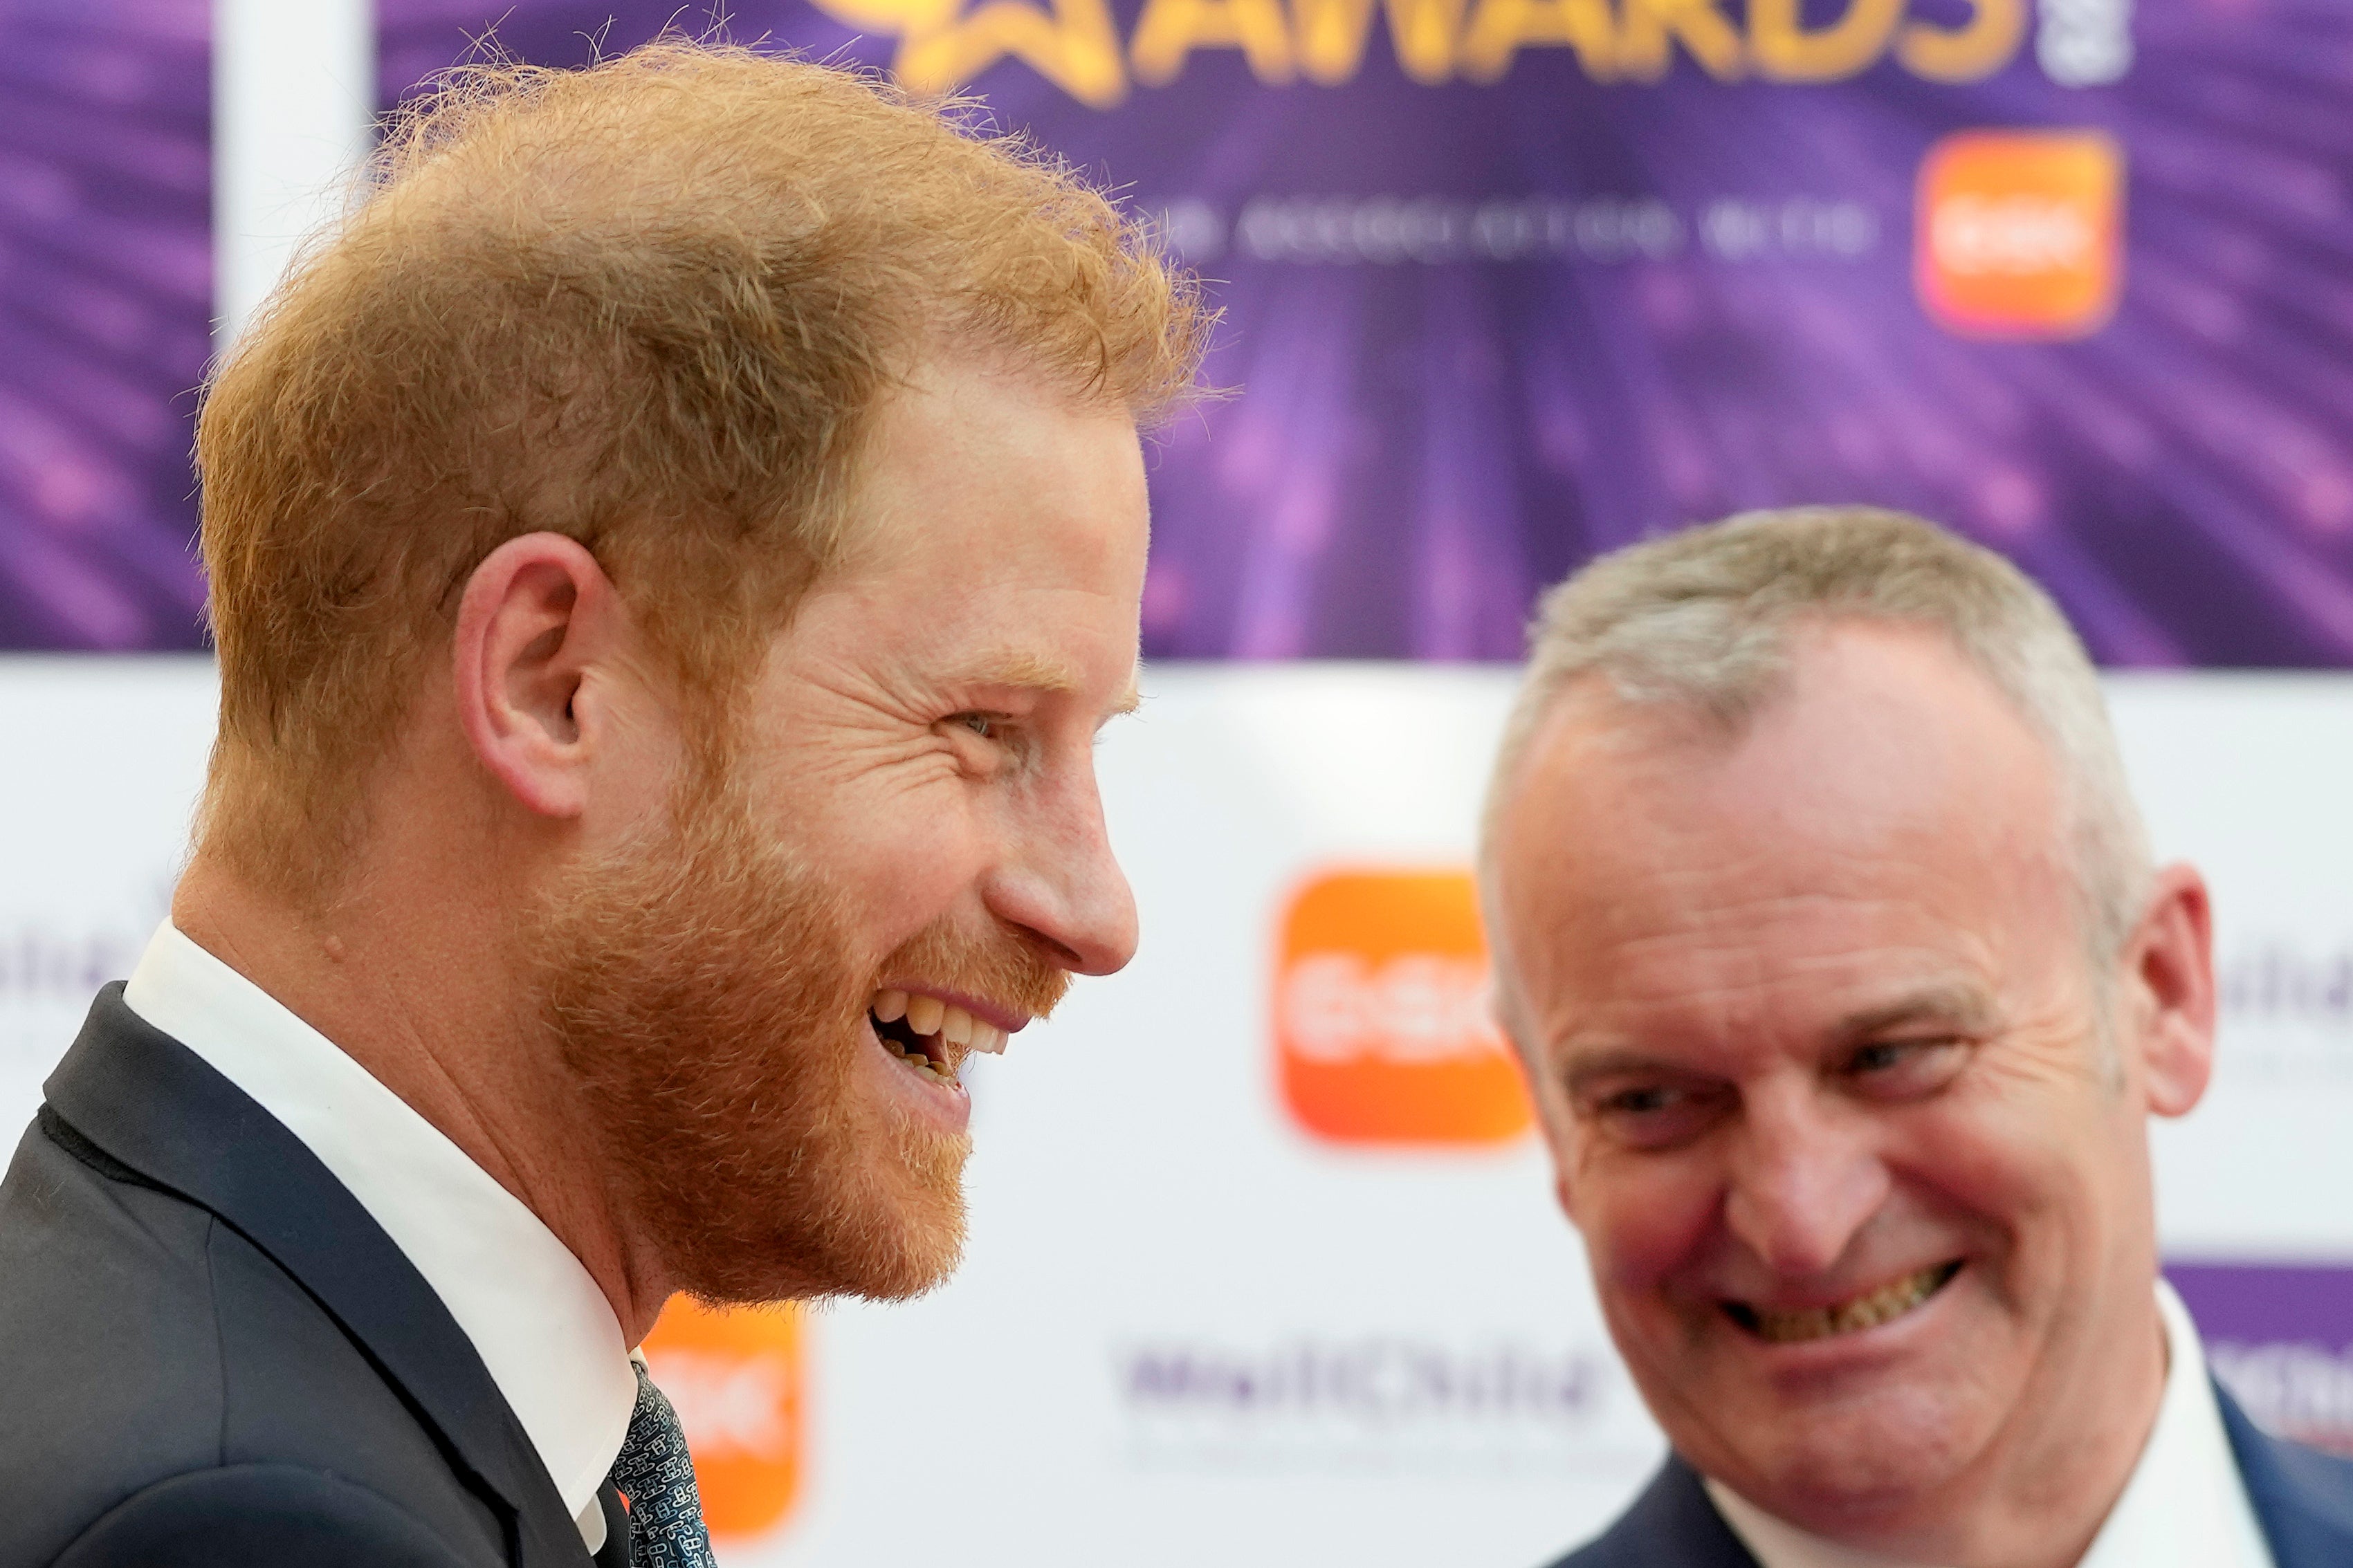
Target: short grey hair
1704,619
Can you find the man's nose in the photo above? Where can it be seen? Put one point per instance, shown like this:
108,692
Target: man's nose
1804,1180
1063,887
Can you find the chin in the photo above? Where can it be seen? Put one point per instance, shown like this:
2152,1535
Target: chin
920,1235
857,1214
1871,1461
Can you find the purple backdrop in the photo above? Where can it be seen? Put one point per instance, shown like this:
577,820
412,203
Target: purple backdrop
1483,331
105,313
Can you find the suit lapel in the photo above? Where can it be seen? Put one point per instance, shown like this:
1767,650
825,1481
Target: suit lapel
1671,1525
2303,1498
157,1107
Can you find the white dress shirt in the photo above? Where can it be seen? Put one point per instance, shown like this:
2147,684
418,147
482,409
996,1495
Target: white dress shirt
540,1323
2185,1506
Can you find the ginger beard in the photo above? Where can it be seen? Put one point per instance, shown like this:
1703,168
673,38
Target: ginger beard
704,991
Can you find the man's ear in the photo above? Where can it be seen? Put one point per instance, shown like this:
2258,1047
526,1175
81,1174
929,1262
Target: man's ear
2169,969
537,616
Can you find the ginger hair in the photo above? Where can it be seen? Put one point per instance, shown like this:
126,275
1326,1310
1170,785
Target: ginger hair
650,305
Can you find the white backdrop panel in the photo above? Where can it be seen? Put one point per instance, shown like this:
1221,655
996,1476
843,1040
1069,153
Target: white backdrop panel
1188,1331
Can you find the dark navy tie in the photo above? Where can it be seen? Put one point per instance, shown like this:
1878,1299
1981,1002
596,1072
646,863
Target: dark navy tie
654,1473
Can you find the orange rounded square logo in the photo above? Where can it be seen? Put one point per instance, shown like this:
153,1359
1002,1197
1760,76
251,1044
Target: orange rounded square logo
1381,1024
2021,233
736,1379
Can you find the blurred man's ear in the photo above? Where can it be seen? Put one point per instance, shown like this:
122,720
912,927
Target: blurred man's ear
2170,1004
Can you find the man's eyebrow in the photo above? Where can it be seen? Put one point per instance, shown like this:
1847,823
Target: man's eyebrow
1020,668
1591,1064
1964,1007
1025,670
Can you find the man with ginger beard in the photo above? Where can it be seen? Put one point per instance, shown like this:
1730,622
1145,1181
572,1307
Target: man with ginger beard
1826,930
666,603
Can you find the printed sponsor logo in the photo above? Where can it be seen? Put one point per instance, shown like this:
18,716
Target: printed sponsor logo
53,965
2287,1012
1382,1027
2085,42
2021,233
737,1380
2297,1389
2276,981
1377,1381
1382,1402
2279,1338
48,957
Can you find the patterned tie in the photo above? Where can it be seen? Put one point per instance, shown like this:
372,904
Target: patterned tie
654,1473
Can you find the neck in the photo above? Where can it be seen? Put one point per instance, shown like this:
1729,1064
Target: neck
421,991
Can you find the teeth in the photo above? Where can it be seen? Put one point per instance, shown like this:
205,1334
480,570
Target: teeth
919,1061
1884,1305
925,1012
929,1016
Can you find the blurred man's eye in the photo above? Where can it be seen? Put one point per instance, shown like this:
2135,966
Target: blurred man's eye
1654,1115
1901,1068
981,724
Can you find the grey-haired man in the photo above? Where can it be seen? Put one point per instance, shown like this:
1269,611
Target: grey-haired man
1827,927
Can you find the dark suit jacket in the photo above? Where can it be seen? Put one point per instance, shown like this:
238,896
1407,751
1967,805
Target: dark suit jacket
2303,1500
210,1354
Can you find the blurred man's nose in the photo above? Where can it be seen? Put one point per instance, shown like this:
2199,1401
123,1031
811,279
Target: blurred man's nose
1805,1179
1062,884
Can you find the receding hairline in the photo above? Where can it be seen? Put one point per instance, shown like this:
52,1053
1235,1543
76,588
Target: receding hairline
1703,620
1613,723
1675,717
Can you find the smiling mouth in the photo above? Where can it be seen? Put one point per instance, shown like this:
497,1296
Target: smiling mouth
929,1036
1884,1305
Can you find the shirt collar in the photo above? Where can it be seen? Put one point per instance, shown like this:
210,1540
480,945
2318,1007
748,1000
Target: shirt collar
2183,1505
541,1325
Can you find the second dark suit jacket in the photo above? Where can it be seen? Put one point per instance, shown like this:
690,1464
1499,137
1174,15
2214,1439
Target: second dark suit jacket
211,1355
2303,1500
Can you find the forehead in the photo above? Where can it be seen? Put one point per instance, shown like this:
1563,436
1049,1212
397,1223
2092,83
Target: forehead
1886,823
978,468
995,524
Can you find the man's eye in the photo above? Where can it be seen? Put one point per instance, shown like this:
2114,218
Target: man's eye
981,724
1885,1055
1905,1068
1648,1100
1656,1115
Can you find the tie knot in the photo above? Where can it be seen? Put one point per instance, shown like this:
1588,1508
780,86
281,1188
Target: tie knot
655,1474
